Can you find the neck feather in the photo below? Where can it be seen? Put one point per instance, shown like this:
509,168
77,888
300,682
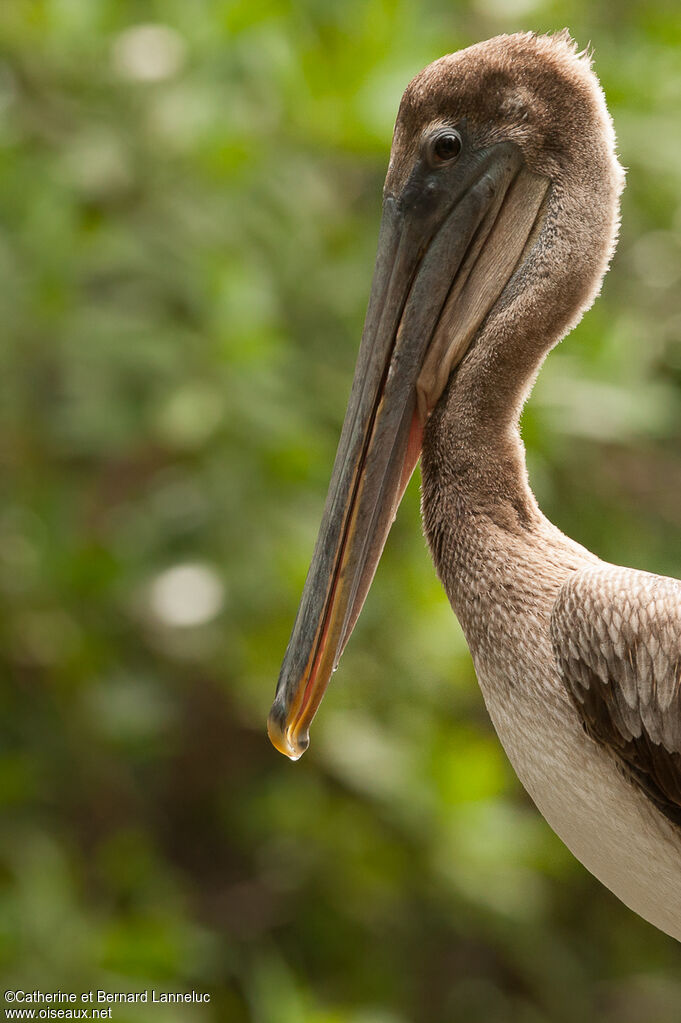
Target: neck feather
473,458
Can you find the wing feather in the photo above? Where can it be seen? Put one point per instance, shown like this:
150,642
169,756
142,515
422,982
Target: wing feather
616,637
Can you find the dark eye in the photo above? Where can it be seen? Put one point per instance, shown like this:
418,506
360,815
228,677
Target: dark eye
446,147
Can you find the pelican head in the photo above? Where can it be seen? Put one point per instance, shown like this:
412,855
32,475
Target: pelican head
500,213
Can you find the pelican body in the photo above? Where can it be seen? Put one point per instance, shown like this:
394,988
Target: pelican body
500,216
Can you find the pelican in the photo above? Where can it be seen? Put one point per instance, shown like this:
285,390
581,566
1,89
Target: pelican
500,215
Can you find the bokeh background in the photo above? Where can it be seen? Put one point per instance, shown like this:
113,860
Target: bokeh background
189,199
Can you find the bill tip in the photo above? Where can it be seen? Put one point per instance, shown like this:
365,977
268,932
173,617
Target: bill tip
284,738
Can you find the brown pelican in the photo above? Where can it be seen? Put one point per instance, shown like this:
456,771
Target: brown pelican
499,218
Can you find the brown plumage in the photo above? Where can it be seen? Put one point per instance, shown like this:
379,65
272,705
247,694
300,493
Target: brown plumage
492,245
617,641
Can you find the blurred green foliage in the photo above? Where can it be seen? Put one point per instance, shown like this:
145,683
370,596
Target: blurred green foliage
189,198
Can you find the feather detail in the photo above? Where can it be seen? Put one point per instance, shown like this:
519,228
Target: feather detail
616,637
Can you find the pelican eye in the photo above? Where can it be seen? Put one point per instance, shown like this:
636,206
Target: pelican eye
446,147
